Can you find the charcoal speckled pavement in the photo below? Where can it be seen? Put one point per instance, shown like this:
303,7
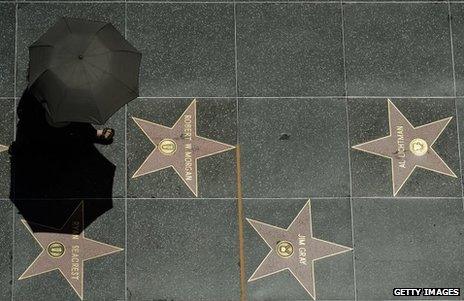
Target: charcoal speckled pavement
279,151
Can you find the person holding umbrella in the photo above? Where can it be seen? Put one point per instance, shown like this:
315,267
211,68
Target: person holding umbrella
82,72
35,119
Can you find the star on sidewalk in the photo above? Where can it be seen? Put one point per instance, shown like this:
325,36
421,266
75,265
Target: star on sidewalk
66,250
294,249
408,147
178,147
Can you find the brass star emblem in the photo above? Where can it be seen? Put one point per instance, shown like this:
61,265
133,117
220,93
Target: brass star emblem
178,147
66,250
294,249
408,147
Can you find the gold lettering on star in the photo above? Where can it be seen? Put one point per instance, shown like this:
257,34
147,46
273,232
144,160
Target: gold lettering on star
190,147
400,148
66,249
298,240
302,249
75,262
408,147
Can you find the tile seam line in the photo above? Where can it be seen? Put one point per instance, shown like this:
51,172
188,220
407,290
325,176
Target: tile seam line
232,198
342,25
280,97
236,2
302,198
125,174
450,23
13,218
301,97
176,2
239,202
240,218
450,17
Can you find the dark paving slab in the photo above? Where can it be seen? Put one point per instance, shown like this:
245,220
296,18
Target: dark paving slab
6,245
372,174
460,117
190,247
64,1
331,220
283,1
293,147
188,49
7,49
104,277
7,111
181,1
457,14
216,119
289,49
398,49
35,18
407,243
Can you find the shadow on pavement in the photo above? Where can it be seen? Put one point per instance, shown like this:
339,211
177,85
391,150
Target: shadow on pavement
54,169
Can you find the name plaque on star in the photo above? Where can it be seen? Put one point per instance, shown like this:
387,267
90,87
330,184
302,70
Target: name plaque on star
294,249
178,147
65,249
408,147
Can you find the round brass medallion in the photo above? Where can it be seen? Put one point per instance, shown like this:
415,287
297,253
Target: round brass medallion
284,249
418,147
55,249
167,147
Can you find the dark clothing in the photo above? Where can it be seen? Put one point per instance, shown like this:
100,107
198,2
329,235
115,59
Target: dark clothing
54,169
56,162
34,128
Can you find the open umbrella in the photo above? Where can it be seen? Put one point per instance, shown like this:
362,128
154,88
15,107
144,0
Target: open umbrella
84,70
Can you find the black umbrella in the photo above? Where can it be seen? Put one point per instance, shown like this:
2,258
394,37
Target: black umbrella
84,70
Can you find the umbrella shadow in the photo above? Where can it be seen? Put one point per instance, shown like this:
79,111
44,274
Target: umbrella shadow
54,169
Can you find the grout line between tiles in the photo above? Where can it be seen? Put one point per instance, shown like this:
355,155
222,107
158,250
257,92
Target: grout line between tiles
240,217
237,2
283,97
406,97
348,148
125,173
303,198
180,2
300,97
455,100
240,212
14,138
232,198
236,74
125,203
452,47
394,2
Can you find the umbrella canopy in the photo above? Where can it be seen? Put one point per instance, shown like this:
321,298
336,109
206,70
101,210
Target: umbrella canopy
84,70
